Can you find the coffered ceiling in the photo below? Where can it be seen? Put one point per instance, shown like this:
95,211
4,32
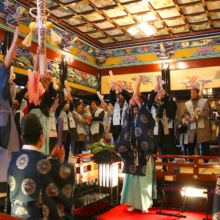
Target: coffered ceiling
105,22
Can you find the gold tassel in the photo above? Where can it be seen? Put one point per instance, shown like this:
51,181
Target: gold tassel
55,38
27,41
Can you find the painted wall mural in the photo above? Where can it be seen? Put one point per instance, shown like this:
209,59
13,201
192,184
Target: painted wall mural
24,59
168,50
81,78
186,79
128,82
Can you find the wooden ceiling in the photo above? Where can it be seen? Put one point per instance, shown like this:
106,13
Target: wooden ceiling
104,22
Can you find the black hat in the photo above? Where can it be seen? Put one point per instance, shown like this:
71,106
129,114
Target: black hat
30,124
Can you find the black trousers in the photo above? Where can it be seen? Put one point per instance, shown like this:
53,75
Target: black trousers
78,147
67,146
52,143
115,137
205,150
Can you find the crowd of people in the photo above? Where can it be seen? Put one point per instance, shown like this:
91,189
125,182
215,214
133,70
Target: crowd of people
39,123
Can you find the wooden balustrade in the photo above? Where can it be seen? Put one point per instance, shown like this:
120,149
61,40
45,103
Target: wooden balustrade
195,165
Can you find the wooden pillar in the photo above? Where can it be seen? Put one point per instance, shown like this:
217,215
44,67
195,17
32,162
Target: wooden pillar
166,78
99,81
63,69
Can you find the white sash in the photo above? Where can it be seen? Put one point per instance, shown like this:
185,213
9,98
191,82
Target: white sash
116,113
52,122
64,116
94,127
189,107
81,128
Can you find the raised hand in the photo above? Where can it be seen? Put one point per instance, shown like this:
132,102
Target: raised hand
16,34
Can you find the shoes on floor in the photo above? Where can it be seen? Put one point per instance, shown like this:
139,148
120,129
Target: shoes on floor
130,209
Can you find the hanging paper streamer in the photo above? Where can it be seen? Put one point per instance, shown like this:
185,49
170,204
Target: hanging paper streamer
100,96
11,72
159,82
111,75
41,25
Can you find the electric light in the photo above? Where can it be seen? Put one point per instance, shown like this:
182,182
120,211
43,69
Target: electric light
194,192
133,31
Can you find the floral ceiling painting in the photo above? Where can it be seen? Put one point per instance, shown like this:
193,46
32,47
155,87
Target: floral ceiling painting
103,3
198,18
175,22
146,17
105,25
106,41
169,13
61,12
74,21
137,7
169,17
124,21
183,2
114,32
200,27
123,38
215,5
49,3
81,78
116,12
95,16
97,35
183,29
159,4
81,7
86,28
193,9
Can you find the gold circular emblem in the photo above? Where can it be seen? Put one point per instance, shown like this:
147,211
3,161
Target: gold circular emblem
132,169
138,132
218,181
144,118
18,202
124,123
67,190
22,161
45,210
150,133
60,210
216,216
217,190
44,166
21,211
64,172
127,136
131,154
52,190
12,183
144,145
144,168
28,186
123,149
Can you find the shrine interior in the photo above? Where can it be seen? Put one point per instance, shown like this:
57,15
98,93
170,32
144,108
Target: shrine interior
96,48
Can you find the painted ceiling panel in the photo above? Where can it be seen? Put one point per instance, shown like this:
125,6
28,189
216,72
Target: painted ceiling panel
110,19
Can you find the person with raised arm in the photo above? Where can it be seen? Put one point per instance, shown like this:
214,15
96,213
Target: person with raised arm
8,132
135,147
41,98
40,186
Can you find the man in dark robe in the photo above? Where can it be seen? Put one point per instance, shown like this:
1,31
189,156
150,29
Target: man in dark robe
8,132
40,186
135,147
